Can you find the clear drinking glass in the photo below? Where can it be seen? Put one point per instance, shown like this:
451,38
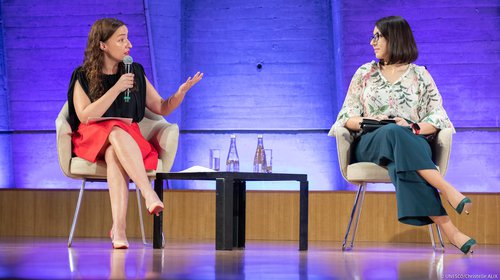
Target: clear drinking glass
269,159
215,159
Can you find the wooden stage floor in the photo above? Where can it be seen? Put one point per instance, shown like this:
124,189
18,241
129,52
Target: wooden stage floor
42,258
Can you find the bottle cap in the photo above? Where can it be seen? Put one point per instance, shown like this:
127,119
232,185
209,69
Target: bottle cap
233,135
259,136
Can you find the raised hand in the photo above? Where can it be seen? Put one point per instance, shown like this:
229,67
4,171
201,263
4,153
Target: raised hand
190,82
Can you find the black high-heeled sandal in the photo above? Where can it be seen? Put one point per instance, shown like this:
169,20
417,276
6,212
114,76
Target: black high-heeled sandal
467,247
463,205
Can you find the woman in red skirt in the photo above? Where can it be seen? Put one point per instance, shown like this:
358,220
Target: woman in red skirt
102,87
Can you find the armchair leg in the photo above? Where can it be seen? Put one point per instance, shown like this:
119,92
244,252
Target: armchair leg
141,221
440,237
356,211
431,233
77,211
358,215
441,243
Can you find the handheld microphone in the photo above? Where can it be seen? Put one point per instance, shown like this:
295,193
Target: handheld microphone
127,60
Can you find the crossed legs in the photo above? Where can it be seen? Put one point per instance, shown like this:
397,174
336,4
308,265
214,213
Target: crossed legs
118,194
124,160
451,194
434,178
455,236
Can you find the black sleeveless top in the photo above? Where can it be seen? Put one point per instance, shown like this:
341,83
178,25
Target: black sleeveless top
134,109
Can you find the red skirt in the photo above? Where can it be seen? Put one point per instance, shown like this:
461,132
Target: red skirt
89,140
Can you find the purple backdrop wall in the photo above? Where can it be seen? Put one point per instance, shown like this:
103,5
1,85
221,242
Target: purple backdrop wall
6,172
308,51
292,42
43,45
459,43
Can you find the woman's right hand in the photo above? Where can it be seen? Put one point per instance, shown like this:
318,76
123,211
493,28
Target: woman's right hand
125,82
353,123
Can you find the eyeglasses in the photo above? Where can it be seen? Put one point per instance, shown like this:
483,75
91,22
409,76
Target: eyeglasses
375,37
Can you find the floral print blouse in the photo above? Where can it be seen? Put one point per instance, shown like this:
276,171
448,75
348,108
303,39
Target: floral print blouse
414,96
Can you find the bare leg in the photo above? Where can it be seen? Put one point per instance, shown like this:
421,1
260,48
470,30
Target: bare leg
455,236
130,158
434,178
118,193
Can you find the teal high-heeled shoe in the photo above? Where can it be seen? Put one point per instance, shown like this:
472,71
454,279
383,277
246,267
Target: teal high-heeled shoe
468,246
463,205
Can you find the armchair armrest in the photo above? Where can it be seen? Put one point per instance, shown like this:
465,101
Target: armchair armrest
344,141
63,140
441,148
166,140
163,135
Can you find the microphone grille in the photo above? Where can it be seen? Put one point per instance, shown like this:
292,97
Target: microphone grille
127,60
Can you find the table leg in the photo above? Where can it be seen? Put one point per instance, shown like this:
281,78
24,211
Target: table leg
224,214
158,220
304,215
239,213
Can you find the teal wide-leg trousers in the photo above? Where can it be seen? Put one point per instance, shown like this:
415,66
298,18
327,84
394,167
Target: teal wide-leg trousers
403,153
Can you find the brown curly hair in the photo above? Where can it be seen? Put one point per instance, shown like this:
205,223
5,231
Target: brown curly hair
101,31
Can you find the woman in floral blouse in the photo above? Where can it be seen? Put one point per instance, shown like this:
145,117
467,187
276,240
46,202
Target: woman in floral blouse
396,88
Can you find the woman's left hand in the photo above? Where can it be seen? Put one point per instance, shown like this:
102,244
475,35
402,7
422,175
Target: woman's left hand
401,121
190,82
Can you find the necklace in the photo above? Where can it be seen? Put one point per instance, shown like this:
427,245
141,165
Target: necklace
395,68
393,72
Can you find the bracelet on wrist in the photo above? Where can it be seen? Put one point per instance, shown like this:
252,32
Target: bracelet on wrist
415,128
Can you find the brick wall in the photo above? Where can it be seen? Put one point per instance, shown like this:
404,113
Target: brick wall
45,42
291,40
268,67
308,51
4,94
7,178
458,41
165,20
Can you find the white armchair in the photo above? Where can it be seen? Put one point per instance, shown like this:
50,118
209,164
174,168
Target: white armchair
361,173
163,135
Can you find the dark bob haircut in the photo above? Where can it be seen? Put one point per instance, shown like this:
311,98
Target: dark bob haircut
401,44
